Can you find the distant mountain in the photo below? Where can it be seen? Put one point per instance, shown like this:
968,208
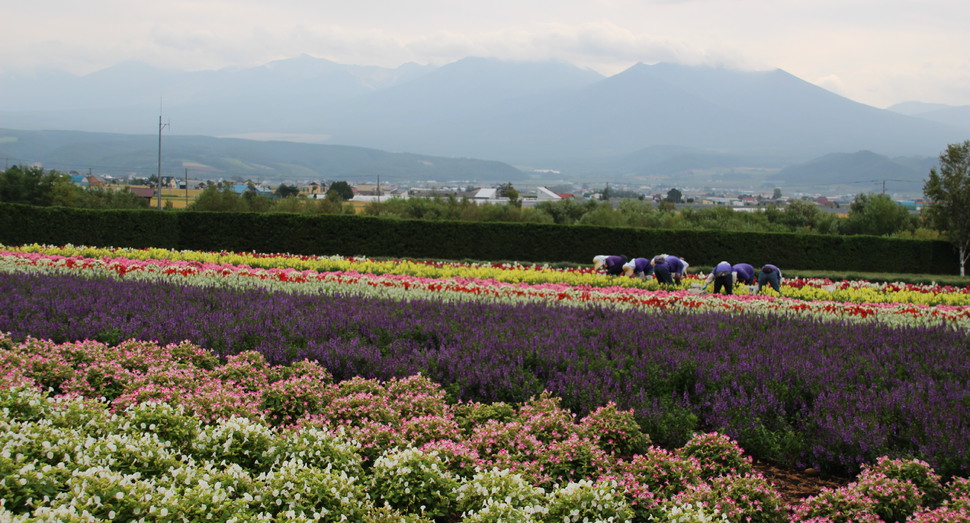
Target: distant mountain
858,168
956,115
224,158
545,115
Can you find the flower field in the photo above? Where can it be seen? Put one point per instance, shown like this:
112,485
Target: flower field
491,392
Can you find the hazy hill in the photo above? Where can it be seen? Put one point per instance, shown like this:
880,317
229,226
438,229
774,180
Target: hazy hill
859,167
546,115
957,115
215,158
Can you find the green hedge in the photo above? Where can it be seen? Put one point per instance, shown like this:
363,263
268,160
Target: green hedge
386,237
24,224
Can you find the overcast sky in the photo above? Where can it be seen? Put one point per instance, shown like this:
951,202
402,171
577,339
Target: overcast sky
878,52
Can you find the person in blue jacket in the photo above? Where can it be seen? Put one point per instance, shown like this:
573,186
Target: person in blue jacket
769,274
638,268
746,273
661,271
612,265
723,277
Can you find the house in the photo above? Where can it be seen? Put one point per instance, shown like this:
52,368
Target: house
545,195
145,192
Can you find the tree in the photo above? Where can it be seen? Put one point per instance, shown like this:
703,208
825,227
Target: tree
507,191
800,214
876,214
674,196
30,185
341,189
949,191
284,190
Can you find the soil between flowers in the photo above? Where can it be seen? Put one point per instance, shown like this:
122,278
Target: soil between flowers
794,485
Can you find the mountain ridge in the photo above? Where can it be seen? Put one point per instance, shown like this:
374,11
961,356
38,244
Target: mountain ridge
548,115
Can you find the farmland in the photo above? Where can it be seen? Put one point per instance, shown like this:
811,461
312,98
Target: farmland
572,387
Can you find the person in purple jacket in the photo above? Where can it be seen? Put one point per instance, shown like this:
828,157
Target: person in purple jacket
769,274
661,271
745,273
638,268
723,277
677,266
612,265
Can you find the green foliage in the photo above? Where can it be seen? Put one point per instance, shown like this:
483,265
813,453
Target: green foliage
286,191
33,186
471,415
878,215
341,189
949,191
29,185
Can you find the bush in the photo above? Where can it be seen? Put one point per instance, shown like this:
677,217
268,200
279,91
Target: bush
320,448
296,490
500,487
739,499
718,455
169,423
588,501
615,431
895,499
473,414
917,472
242,441
414,481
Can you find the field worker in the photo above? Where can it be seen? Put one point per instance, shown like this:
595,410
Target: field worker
723,277
770,274
638,268
745,273
661,270
612,265
678,267
598,261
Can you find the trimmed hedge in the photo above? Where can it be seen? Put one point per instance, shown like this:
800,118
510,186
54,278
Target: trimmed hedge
388,237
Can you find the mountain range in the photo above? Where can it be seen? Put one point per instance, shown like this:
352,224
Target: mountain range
649,119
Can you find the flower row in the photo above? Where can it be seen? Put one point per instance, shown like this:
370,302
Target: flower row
856,291
401,286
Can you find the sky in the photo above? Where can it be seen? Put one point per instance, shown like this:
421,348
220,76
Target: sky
878,52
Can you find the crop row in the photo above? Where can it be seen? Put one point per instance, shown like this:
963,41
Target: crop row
513,290
855,291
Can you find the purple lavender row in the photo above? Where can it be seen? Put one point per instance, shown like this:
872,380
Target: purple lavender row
802,392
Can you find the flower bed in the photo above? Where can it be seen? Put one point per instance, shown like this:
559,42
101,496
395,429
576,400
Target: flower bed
810,381
188,436
792,389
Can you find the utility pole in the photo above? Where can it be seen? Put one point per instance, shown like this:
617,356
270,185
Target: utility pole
158,179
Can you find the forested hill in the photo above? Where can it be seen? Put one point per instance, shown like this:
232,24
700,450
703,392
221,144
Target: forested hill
209,157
